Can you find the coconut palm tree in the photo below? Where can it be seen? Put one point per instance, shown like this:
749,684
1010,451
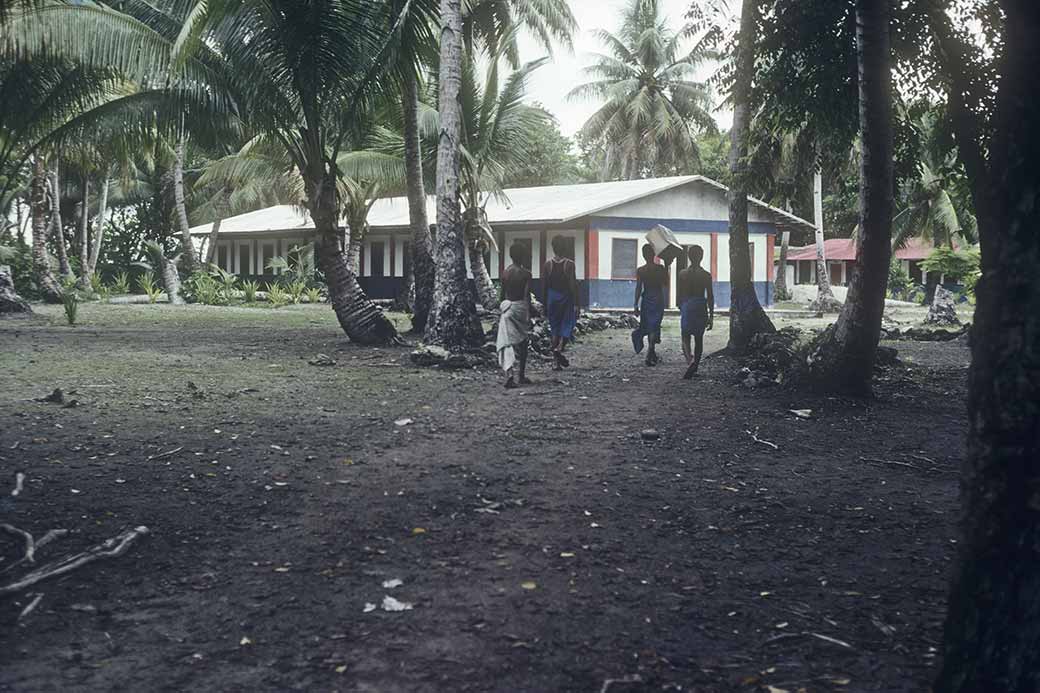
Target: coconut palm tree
651,101
295,71
498,130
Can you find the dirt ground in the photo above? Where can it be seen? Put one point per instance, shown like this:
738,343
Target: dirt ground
543,544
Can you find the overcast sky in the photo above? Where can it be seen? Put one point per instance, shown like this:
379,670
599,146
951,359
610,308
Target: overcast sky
551,83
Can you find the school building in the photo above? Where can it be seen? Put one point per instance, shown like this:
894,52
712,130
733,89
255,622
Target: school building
603,224
841,260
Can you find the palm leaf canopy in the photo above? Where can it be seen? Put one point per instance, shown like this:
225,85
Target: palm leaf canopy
651,101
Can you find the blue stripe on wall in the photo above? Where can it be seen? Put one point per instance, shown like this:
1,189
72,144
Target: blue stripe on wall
680,225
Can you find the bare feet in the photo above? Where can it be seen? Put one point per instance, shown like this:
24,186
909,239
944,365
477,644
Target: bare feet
691,370
524,380
510,383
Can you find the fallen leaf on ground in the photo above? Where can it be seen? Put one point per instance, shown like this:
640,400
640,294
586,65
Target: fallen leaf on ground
391,604
343,667
419,530
390,584
245,641
529,585
403,422
369,606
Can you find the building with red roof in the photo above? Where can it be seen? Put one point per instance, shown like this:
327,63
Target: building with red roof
840,254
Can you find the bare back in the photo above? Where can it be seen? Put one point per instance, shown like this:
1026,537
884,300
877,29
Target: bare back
516,283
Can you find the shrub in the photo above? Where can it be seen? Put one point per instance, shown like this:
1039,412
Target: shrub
200,287
296,290
249,288
276,295
955,264
121,285
146,282
226,285
70,299
900,286
313,295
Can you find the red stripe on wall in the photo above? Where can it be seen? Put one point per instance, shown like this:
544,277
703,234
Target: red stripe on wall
715,256
592,254
770,247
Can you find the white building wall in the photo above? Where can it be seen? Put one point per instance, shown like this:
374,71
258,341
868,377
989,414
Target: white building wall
691,201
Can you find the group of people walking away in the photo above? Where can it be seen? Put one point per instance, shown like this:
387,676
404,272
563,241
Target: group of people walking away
695,297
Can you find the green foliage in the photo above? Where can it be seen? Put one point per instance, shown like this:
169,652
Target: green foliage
651,102
249,289
70,299
121,285
146,283
19,258
296,290
548,159
957,265
900,286
200,287
276,295
227,284
313,295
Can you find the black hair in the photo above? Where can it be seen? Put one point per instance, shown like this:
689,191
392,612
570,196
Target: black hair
517,252
558,245
648,252
696,254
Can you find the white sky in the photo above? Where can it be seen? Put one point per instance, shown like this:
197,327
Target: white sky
550,84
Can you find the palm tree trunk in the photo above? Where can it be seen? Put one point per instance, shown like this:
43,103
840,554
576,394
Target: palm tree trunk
359,317
453,321
422,243
211,242
188,260
843,360
171,281
747,317
783,293
992,635
99,226
84,226
355,241
57,227
825,301
45,281
486,293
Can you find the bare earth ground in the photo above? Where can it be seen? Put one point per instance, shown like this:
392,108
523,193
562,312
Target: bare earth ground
544,545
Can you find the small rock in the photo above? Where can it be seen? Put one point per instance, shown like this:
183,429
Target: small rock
943,310
322,360
56,397
649,434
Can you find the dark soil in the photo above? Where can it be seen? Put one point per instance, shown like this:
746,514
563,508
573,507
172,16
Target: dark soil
545,545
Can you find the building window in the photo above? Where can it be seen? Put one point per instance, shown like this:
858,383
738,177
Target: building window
624,258
244,264
222,256
266,255
377,249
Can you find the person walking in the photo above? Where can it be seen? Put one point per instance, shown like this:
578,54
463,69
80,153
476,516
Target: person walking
696,298
651,283
560,298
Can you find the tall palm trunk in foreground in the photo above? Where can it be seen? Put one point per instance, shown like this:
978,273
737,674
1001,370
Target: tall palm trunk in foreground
84,227
453,321
843,360
780,288
746,314
359,317
992,635
475,223
45,280
422,268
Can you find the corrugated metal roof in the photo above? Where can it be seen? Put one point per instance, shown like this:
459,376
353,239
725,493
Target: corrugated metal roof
550,204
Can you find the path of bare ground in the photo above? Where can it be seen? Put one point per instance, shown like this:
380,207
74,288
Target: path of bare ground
544,545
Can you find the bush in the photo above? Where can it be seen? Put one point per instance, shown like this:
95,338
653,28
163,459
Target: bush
249,288
276,295
121,285
296,290
900,286
200,287
70,299
313,295
956,265
226,283
146,282
19,258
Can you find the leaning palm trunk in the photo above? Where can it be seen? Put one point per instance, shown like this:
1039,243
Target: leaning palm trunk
99,227
188,260
486,294
359,317
843,360
825,301
57,227
356,240
747,317
781,290
422,268
45,281
453,321
171,281
211,242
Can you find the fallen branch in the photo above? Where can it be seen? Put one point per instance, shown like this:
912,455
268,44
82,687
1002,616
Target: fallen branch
754,437
833,641
874,460
47,538
168,453
29,609
30,545
110,548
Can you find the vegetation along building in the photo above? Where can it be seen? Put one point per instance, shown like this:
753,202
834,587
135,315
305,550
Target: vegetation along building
603,223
